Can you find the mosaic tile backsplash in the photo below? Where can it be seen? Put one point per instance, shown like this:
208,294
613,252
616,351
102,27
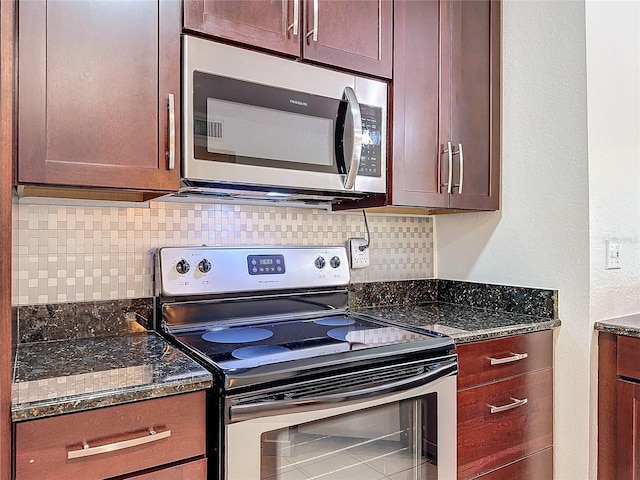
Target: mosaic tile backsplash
75,253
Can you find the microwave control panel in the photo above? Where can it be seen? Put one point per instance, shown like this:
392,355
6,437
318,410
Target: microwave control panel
371,156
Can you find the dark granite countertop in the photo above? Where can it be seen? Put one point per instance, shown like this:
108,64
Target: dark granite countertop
56,377
629,325
464,324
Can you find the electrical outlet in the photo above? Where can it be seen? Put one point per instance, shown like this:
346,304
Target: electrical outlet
613,255
359,257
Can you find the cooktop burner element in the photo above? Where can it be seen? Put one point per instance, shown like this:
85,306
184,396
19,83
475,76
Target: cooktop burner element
237,335
335,321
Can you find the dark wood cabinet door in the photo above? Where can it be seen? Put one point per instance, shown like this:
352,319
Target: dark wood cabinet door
351,34
416,109
266,24
474,103
446,105
356,34
94,86
628,431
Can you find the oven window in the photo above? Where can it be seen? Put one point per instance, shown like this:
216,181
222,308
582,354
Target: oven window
395,441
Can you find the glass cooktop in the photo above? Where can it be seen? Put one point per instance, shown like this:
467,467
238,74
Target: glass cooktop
247,346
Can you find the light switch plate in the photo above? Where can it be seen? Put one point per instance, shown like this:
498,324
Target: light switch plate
358,257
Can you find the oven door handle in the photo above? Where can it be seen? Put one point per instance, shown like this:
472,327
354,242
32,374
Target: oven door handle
238,413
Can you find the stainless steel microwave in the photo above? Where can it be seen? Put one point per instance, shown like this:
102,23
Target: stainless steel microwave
256,125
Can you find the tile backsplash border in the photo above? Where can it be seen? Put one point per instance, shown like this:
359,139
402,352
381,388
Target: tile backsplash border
98,251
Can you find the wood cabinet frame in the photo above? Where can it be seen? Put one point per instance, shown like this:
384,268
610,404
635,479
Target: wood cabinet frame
7,148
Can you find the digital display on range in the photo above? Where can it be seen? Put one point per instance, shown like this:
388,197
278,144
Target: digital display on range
265,264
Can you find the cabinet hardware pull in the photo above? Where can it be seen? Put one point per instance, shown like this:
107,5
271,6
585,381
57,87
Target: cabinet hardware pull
461,156
450,158
314,31
461,168
513,358
516,403
87,451
296,15
172,132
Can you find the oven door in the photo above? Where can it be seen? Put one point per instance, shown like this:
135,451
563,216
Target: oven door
401,429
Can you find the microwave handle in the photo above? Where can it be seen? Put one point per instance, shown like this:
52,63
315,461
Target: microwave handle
352,136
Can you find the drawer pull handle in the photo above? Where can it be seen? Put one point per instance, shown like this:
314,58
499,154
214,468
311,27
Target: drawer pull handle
516,403
88,451
513,358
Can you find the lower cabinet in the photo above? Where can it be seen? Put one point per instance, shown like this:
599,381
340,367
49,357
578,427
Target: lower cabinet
505,408
154,439
618,407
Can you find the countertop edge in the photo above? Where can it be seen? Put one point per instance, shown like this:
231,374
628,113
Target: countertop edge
43,409
500,332
628,326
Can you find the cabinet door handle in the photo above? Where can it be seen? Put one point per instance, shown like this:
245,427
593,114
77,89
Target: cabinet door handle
513,358
314,31
448,151
172,132
296,15
503,408
88,451
461,167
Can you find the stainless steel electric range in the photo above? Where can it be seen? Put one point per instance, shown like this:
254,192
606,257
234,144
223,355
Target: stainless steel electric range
303,387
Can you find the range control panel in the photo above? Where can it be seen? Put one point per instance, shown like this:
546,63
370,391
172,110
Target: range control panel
213,270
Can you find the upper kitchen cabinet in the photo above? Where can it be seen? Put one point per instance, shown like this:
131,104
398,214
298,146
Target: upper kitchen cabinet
446,105
98,94
350,34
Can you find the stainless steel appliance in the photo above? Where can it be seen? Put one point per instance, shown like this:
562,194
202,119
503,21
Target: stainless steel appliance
261,126
305,388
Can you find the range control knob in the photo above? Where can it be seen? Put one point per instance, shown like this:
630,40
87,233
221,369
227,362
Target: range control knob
334,262
320,262
182,266
204,266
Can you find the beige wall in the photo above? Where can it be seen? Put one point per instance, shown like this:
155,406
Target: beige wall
84,252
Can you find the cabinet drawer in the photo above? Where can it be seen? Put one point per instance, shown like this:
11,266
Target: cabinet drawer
53,447
628,357
489,440
538,466
491,360
196,470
